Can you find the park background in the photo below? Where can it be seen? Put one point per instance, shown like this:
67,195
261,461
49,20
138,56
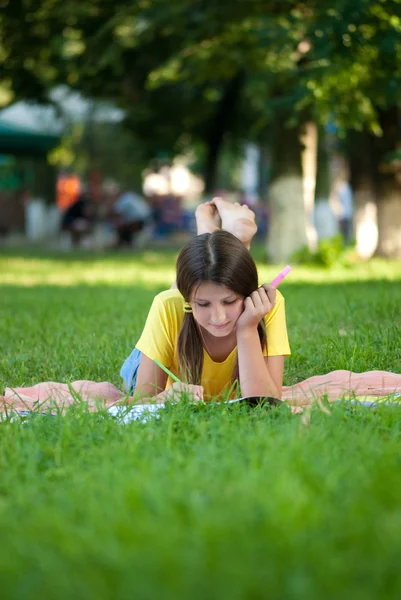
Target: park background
271,102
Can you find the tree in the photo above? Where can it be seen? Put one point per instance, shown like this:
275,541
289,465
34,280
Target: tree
190,67
359,47
120,55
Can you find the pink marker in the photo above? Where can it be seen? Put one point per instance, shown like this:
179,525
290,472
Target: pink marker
277,280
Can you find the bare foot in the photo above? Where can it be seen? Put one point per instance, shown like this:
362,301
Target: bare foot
238,219
207,218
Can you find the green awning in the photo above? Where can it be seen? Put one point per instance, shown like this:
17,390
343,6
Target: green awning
18,140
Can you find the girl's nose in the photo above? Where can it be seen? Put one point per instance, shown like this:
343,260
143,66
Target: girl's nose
218,315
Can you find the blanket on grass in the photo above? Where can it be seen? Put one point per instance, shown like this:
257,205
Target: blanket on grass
336,385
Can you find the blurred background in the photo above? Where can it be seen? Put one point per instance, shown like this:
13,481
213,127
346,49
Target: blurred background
118,118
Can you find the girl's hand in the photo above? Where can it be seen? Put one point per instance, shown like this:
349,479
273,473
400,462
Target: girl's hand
175,391
256,307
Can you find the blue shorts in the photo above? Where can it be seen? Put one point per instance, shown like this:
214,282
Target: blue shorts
129,370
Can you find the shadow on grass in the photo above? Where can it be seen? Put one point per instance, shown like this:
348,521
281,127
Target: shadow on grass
161,255
165,255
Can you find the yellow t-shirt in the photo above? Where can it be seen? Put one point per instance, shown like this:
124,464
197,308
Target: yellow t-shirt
160,335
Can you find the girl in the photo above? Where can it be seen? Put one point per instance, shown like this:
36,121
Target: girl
218,328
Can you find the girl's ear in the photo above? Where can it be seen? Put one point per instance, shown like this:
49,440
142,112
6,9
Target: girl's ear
243,303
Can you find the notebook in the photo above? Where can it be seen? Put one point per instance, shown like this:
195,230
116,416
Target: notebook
142,412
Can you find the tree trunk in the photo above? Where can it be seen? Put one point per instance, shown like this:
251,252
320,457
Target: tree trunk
363,185
219,126
326,221
388,178
250,173
389,224
323,179
309,140
287,218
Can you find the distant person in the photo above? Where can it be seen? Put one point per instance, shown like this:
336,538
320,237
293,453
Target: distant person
131,214
78,219
172,217
67,191
346,210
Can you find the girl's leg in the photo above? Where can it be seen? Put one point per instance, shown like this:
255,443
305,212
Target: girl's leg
238,219
207,218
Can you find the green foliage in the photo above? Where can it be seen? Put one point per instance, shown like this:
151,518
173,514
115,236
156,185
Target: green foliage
329,253
168,64
86,146
355,53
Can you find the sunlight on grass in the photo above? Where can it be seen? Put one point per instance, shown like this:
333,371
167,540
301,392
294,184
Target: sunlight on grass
31,272
156,268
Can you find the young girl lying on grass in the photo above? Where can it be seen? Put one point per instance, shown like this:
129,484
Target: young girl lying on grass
219,332
219,326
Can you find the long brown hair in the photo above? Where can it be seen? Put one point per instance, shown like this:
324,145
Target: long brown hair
221,258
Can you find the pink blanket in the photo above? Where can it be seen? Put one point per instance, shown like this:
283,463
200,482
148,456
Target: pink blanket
337,384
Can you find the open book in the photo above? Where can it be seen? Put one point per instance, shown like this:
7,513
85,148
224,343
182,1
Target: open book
142,412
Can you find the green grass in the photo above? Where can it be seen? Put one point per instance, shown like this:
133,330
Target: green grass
208,504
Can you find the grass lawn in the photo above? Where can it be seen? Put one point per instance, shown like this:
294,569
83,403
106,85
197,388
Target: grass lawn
204,505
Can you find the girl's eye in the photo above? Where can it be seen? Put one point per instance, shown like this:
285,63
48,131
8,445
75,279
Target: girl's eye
224,302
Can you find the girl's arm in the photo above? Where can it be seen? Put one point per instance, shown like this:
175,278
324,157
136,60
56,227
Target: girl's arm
151,382
258,375
275,366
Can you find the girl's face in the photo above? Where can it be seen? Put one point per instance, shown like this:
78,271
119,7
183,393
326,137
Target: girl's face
216,308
